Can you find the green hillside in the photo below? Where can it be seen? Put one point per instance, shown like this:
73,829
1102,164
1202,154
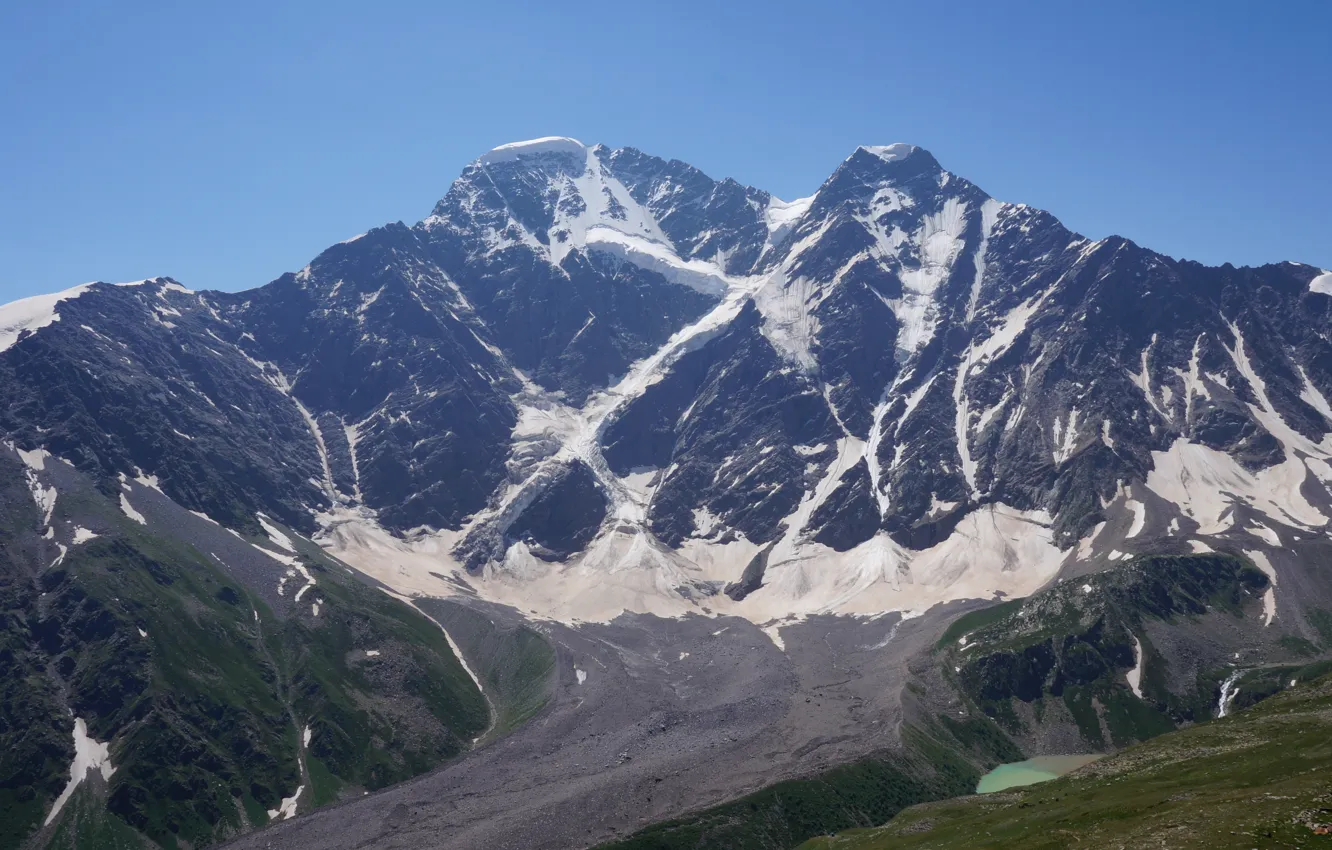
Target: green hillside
1258,778
215,707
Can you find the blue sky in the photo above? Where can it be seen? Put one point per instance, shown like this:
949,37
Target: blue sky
223,144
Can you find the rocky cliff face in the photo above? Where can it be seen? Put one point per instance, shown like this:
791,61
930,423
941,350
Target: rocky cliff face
703,371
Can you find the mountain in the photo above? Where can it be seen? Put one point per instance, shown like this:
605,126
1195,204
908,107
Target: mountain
597,391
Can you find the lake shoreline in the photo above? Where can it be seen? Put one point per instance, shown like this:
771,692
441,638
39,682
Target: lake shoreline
1032,771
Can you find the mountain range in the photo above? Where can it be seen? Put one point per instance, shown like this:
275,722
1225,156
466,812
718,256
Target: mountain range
599,414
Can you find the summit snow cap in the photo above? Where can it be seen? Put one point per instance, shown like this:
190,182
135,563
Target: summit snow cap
891,153
533,147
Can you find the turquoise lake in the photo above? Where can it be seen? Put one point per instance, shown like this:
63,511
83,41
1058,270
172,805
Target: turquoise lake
1031,771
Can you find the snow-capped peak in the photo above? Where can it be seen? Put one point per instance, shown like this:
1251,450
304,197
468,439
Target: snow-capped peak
558,195
891,153
533,147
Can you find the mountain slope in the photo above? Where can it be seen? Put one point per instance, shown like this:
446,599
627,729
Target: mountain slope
216,681
1253,779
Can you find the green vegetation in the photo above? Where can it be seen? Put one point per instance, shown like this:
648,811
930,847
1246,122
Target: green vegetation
1296,645
1255,779
973,620
516,665
1256,685
202,690
85,824
1321,620
1072,644
36,744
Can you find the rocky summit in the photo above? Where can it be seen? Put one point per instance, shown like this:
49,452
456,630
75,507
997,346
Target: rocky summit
599,419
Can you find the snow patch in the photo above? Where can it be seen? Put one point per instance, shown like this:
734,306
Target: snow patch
88,755
1264,533
45,497
129,511
1139,518
32,314
287,808
353,435
656,257
1065,437
457,652
783,216
1261,561
1085,544
1135,675
276,534
1206,484
939,240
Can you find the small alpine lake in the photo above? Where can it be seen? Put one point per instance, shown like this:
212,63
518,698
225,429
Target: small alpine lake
1031,771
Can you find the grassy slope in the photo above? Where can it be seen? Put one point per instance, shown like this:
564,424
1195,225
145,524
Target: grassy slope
517,665
205,712
1073,643
1255,779
35,740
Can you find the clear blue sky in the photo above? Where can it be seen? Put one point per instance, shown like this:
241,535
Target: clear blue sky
225,143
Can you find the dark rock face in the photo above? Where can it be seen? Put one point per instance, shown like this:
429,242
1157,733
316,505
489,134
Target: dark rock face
752,578
953,350
850,516
739,433
702,217
378,340
140,378
574,322
564,517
